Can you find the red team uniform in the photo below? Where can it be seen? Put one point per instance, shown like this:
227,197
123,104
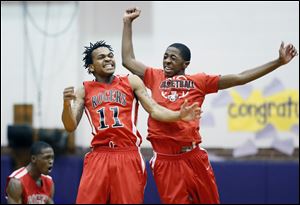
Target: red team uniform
176,144
114,171
31,192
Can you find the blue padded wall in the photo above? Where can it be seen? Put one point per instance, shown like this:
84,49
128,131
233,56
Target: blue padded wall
238,181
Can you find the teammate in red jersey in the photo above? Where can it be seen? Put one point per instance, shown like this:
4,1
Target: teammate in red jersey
114,171
32,184
181,168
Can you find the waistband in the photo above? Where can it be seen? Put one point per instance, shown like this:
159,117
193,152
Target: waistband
172,147
184,155
187,148
105,148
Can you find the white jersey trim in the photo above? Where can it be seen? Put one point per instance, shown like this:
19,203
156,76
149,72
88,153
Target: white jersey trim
21,174
94,132
47,176
153,159
142,160
133,117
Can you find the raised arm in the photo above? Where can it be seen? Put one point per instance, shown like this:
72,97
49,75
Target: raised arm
14,191
158,112
286,54
128,58
72,114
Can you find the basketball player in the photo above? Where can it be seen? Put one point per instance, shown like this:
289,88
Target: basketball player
114,171
32,184
181,168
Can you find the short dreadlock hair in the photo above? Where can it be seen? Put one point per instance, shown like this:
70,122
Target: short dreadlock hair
88,60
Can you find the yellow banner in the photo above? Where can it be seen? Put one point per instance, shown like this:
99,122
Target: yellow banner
281,110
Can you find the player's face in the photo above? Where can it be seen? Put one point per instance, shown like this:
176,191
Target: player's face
44,160
103,62
173,62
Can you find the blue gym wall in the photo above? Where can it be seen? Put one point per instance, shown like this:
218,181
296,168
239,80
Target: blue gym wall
265,182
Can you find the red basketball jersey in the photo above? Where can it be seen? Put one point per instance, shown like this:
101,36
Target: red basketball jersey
112,112
32,193
171,93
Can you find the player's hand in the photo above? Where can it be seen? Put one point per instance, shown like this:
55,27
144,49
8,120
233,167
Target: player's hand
287,53
69,94
49,200
131,14
192,112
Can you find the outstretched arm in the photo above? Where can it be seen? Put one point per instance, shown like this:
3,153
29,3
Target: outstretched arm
158,112
286,54
71,115
14,191
128,58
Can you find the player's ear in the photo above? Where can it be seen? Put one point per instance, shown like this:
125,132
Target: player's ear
186,64
33,158
91,69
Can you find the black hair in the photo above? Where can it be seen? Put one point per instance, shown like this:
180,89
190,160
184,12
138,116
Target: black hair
88,60
184,51
37,147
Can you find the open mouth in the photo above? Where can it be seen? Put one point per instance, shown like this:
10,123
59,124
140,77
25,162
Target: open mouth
49,169
167,69
109,66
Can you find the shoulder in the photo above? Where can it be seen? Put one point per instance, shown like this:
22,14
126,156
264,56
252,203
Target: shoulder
80,88
154,70
204,76
80,91
14,181
87,85
47,177
133,77
135,81
87,82
123,78
199,75
19,173
14,185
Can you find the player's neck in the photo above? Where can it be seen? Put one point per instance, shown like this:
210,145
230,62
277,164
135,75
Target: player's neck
106,80
182,72
33,172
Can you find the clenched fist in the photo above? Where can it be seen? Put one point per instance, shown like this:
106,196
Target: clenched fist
69,94
131,14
